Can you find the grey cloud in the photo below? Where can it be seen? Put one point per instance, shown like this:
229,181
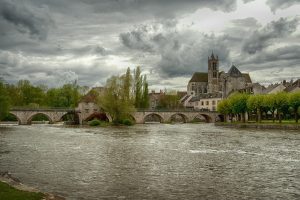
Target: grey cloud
34,20
284,56
281,4
181,53
261,38
158,8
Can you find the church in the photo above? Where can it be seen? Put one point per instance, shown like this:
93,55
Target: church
206,89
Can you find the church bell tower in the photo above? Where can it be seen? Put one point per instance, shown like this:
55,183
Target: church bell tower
213,74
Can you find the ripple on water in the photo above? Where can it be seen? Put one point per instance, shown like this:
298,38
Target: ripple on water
154,161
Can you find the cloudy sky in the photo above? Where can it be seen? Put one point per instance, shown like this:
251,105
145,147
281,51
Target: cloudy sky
55,41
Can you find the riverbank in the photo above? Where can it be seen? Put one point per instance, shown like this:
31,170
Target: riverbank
12,189
260,125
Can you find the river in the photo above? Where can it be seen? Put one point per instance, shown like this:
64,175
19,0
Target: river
154,161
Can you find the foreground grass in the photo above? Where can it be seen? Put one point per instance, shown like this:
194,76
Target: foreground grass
7,192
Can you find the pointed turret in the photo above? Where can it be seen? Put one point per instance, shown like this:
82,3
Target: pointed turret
212,55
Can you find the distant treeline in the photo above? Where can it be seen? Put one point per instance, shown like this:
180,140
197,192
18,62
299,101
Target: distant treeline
277,106
25,94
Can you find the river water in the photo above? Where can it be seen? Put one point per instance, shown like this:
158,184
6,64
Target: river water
154,161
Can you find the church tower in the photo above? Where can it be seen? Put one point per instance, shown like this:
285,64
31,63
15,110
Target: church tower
213,74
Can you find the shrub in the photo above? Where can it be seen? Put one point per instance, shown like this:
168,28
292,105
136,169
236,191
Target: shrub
127,122
95,122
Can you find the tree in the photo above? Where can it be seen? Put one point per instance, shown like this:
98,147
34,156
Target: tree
269,104
4,100
223,108
281,104
127,84
145,95
294,101
114,101
238,104
138,87
256,103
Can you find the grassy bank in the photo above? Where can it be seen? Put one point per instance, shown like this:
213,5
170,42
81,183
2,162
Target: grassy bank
8,192
287,125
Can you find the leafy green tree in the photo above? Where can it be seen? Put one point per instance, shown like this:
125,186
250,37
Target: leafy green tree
294,101
114,101
238,104
145,96
224,108
127,84
138,87
281,104
4,101
66,96
270,104
256,103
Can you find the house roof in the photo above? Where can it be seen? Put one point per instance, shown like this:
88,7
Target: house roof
193,99
199,77
292,86
92,95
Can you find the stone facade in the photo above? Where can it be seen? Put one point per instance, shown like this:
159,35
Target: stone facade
211,86
213,81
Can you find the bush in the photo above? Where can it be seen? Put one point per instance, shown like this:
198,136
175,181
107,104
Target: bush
127,122
95,122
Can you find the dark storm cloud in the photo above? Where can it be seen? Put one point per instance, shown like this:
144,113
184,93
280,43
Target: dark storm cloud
181,53
281,4
260,39
280,56
159,8
35,21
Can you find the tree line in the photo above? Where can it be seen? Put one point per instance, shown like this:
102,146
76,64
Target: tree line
25,94
122,95
277,106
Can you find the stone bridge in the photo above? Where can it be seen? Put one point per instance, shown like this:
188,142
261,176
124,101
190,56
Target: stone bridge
166,116
25,116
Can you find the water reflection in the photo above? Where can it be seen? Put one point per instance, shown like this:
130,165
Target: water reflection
157,161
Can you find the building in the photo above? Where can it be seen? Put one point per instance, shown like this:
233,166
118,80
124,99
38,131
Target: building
293,87
154,98
89,107
214,85
214,81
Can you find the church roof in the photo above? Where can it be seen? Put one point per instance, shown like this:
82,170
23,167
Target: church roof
233,71
247,77
199,77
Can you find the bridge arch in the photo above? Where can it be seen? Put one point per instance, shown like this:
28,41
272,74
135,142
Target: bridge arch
153,117
71,117
220,118
29,120
16,116
102,116
203,116
177,117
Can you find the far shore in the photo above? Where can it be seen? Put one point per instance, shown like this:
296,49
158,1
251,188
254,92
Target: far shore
263,125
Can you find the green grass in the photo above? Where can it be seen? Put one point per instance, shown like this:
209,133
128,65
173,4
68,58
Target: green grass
268,122
7,192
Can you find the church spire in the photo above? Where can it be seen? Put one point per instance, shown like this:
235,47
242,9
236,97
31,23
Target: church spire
212,55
